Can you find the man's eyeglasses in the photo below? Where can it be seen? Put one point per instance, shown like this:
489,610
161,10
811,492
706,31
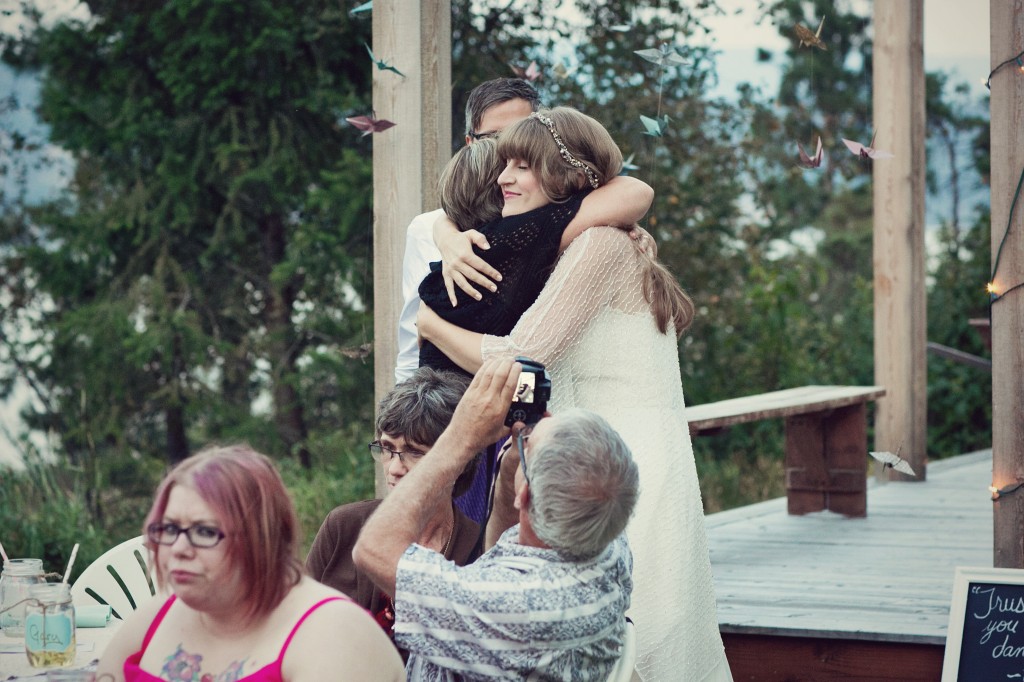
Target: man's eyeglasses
522,438
384,454
476,137
198,535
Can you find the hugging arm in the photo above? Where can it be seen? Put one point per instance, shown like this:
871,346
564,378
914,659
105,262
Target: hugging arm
460,266
621,202
583,281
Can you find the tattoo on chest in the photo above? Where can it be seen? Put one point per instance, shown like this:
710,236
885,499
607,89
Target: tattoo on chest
182,666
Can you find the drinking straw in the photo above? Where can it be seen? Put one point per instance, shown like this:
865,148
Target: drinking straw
71,562
2,552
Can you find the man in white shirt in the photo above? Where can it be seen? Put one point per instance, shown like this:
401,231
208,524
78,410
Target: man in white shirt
492,106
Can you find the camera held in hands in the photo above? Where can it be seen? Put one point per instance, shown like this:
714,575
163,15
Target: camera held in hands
532,394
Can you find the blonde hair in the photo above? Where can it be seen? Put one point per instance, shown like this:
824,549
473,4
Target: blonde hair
531,141
669,303
468,186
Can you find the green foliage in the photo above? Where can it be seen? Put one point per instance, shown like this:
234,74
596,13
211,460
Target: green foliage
344,476
43,515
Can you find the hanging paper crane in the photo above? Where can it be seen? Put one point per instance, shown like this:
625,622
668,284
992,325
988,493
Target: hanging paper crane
868,152
811,161
370,124
810,39
381,64
530,73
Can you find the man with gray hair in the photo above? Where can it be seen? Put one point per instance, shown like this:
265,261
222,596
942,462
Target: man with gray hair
549,597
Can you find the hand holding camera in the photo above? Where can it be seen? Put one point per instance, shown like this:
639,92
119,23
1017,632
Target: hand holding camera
532,394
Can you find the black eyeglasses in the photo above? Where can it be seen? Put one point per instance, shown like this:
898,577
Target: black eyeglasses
384,454
198,534
493,135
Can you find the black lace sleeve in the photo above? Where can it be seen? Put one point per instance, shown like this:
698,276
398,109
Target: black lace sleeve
523,249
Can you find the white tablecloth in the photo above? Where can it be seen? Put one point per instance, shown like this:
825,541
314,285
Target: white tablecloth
91,643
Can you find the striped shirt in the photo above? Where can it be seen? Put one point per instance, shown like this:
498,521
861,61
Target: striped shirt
518,612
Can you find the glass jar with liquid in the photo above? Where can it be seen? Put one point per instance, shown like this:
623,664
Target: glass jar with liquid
18,576
50,626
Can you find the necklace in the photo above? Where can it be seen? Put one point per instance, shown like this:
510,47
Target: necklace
448,542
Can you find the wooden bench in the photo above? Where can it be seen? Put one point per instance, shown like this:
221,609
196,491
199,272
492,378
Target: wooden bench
826,441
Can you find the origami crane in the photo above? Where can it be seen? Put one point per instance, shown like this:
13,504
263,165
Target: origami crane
810,39
811,161
381,64
370,124
868,152
530,73
894,461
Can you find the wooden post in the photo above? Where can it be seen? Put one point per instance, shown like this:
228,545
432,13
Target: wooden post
1007,145
416,38
899,185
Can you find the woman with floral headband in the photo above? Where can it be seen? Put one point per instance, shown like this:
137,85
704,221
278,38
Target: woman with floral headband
526,228
606,327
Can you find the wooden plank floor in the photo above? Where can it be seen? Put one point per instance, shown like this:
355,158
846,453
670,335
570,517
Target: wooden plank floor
884,578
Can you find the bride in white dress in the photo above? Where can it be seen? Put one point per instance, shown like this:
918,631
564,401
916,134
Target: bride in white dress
610,350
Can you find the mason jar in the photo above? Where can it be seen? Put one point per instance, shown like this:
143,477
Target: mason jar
50,626
17,577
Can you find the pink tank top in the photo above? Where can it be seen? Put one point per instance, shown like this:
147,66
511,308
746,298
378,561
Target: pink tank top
271,672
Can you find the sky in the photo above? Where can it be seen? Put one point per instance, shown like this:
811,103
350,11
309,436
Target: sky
956,40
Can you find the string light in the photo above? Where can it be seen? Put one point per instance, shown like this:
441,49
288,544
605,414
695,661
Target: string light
1012,60
1005,490
993,291
995,296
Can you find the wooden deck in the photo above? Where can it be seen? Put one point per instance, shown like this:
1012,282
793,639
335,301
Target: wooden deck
827,597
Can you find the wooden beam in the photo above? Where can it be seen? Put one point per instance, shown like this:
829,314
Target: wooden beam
415,37
899,188
1007,144
761,658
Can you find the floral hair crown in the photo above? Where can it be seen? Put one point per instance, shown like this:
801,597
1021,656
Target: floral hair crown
564,151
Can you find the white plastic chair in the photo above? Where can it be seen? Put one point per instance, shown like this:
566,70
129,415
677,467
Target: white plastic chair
623,670
120,577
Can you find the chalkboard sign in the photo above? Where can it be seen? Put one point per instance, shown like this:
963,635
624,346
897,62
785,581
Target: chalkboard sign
985,639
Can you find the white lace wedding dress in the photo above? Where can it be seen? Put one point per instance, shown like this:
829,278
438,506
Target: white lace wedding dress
594,331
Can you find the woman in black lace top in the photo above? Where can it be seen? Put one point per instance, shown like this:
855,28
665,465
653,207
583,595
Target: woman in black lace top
543,205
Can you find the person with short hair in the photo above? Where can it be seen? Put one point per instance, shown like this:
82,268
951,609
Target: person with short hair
410,418
223,538
547,600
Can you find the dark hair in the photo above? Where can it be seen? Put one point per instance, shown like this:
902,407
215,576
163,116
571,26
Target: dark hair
419,410
496,91
254,510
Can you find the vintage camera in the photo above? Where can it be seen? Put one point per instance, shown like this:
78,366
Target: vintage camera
532,395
